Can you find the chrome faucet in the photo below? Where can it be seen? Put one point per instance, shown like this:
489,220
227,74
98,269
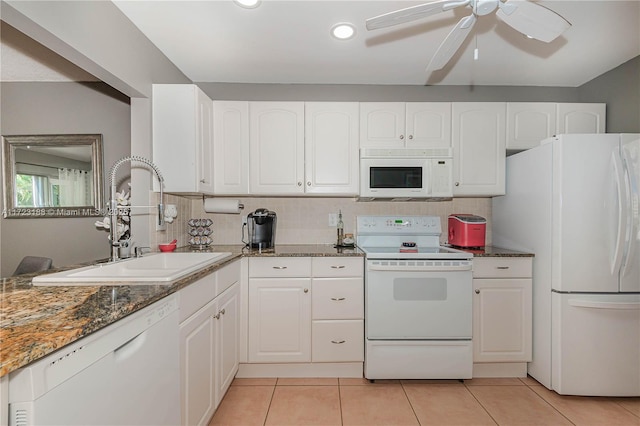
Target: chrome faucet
113,203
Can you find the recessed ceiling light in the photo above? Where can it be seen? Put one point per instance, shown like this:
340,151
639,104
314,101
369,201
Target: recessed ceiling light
248,4
343,31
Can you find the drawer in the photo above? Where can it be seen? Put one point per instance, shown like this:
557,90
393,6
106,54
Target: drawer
196,295
502,267
337,298
337,341
280,267
227,276
338,266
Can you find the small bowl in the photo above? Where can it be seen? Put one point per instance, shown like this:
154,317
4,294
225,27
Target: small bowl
167,247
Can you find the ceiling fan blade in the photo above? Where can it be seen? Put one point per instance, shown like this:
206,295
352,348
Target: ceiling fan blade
533,20
413,13
452,43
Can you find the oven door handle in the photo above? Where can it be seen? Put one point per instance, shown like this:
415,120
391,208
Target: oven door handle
447,268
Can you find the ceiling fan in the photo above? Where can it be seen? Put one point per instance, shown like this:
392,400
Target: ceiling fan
530,19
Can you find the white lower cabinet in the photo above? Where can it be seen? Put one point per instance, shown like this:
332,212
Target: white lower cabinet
502,319
306,317
209,342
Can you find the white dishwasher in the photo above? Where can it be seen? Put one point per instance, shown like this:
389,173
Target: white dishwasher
124,374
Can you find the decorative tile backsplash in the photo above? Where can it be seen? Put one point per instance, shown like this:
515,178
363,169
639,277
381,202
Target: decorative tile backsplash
306,220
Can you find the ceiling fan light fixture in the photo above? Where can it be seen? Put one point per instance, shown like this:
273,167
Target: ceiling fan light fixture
343,31
248,4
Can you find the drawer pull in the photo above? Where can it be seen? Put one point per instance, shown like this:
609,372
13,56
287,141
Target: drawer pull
502,267
279,267
338,342
306,290
338,267
337,299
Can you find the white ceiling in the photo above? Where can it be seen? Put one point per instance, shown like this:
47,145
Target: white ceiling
289,42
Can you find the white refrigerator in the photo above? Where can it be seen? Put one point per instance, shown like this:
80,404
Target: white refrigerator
574,202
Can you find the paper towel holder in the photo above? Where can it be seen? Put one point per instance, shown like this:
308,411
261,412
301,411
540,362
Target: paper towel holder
240,205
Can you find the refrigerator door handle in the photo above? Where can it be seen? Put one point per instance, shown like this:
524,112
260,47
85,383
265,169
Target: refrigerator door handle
631,198
619,214
603,305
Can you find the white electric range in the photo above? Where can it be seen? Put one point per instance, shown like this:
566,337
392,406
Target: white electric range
418,300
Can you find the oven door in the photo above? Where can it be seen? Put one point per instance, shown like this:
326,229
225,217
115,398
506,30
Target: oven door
418,300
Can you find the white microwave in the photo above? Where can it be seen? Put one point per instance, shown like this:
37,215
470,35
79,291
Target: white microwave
406,173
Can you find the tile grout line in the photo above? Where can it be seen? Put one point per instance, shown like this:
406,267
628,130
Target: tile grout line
273,392
480,403
410,404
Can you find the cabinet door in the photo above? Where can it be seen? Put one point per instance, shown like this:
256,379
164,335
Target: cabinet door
382,124
502,320
204,142
276,138
231,147
428,124
197,367
581,118
174,136
479,153
279,320
331,148
227,339
528,123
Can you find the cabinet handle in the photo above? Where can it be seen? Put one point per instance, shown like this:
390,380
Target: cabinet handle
401,137
502,267
338,342
299,183
477,291
410,136
222,311
338,267
306,290
279,267
202,181
337,299
217,316
457,184
308,183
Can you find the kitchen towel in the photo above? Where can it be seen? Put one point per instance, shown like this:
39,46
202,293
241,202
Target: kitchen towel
222,205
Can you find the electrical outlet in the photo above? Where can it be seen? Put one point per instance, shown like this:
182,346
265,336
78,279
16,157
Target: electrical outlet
333,219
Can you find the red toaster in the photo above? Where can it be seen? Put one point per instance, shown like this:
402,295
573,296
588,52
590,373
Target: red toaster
467,230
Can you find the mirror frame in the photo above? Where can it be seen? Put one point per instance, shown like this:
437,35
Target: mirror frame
9,145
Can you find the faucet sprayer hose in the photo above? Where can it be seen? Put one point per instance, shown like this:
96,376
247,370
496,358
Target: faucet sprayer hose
137,158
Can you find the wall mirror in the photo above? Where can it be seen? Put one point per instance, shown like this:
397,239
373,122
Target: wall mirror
48,176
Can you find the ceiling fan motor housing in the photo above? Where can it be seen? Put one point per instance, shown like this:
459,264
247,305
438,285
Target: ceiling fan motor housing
484,7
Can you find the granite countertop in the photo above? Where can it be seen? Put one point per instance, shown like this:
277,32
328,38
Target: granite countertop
491,251
36,321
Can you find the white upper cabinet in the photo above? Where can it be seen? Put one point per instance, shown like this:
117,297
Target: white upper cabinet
183,137
276,136
528,123
478,136
428,125
405,125
331,148
581,118
231,147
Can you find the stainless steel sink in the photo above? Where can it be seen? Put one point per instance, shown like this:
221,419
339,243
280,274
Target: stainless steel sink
147,270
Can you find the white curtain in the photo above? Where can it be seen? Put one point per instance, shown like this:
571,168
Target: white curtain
75,187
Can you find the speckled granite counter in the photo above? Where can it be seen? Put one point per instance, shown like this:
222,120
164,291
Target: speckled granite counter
490,251
36,321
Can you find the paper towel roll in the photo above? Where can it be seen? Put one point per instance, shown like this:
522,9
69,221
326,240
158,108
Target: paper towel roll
222,205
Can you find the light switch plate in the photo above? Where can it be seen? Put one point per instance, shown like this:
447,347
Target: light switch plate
333,219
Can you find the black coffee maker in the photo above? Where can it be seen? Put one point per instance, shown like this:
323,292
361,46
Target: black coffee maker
262,228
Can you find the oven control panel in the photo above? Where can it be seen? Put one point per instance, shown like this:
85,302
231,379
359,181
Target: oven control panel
409,225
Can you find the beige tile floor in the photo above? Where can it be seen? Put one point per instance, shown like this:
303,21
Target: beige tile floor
326,402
